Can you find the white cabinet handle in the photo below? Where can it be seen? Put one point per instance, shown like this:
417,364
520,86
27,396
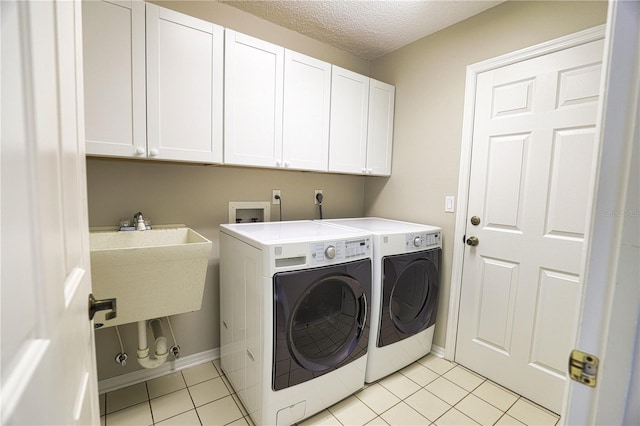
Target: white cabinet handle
286,164
278,164
154,152
140,151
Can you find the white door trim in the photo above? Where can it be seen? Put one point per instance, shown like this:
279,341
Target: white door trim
566,42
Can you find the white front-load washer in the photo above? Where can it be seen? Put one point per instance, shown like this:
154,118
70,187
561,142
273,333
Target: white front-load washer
294,314
406,280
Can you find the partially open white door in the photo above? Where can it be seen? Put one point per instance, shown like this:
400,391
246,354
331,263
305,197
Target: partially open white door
48,357
610,314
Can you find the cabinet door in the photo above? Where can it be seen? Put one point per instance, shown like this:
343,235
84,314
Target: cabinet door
349,110
380,129
184,87
253,101
305,126
114,77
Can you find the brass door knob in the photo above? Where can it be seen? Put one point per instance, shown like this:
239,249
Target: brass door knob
473,241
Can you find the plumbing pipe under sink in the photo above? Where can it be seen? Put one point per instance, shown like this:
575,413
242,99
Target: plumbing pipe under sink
160,343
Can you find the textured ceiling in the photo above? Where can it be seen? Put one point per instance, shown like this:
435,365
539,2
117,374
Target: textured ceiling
365,28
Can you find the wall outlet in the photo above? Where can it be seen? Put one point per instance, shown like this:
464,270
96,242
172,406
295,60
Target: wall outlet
275,200
315,194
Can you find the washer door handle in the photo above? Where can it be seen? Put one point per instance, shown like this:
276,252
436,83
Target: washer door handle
362,320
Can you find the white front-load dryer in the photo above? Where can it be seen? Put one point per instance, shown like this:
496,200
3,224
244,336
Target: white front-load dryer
294,314
406,280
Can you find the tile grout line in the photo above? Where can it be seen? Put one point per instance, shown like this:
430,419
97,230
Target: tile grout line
146,387
397,403
190,397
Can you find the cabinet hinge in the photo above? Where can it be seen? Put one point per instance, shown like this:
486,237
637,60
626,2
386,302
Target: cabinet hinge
583,367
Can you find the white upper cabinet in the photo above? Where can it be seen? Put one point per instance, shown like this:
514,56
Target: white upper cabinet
163,85
361,136
114,77
253,101
349,118
380,128
307,98
171,111
276,106
184,87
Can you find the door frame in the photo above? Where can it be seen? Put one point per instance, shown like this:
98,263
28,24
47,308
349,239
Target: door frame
455,289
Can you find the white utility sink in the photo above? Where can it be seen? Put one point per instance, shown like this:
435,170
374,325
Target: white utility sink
152,274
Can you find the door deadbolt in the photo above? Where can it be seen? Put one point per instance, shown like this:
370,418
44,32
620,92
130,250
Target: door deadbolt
473,241
475,220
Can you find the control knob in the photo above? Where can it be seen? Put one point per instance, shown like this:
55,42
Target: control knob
330,252
417,241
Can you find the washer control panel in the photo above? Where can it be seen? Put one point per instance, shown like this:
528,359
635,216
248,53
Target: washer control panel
422,240
329,251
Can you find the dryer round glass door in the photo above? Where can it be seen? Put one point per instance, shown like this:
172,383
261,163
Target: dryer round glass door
410,295
321,320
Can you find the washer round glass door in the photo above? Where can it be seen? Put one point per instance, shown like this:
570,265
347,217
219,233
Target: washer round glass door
321,320
326,322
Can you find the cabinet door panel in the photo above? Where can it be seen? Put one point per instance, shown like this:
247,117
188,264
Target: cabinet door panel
114,77
348,133
184,87
380,133
253,101
307,96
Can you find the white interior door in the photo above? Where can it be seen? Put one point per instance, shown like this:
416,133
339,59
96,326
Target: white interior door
48,357
610,314
532,173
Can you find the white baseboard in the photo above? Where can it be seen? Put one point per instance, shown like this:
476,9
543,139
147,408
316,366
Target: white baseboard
437,351
138,376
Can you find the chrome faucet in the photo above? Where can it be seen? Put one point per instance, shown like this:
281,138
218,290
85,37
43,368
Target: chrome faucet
138,221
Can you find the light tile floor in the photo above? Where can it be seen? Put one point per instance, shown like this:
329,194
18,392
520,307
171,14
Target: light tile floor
431,391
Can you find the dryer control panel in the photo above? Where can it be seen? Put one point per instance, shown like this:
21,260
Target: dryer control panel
422,240
341,250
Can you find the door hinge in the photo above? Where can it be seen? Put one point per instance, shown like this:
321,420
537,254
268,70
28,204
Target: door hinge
583,367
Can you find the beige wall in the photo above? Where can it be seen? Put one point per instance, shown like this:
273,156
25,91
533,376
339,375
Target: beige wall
429,76
198,195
